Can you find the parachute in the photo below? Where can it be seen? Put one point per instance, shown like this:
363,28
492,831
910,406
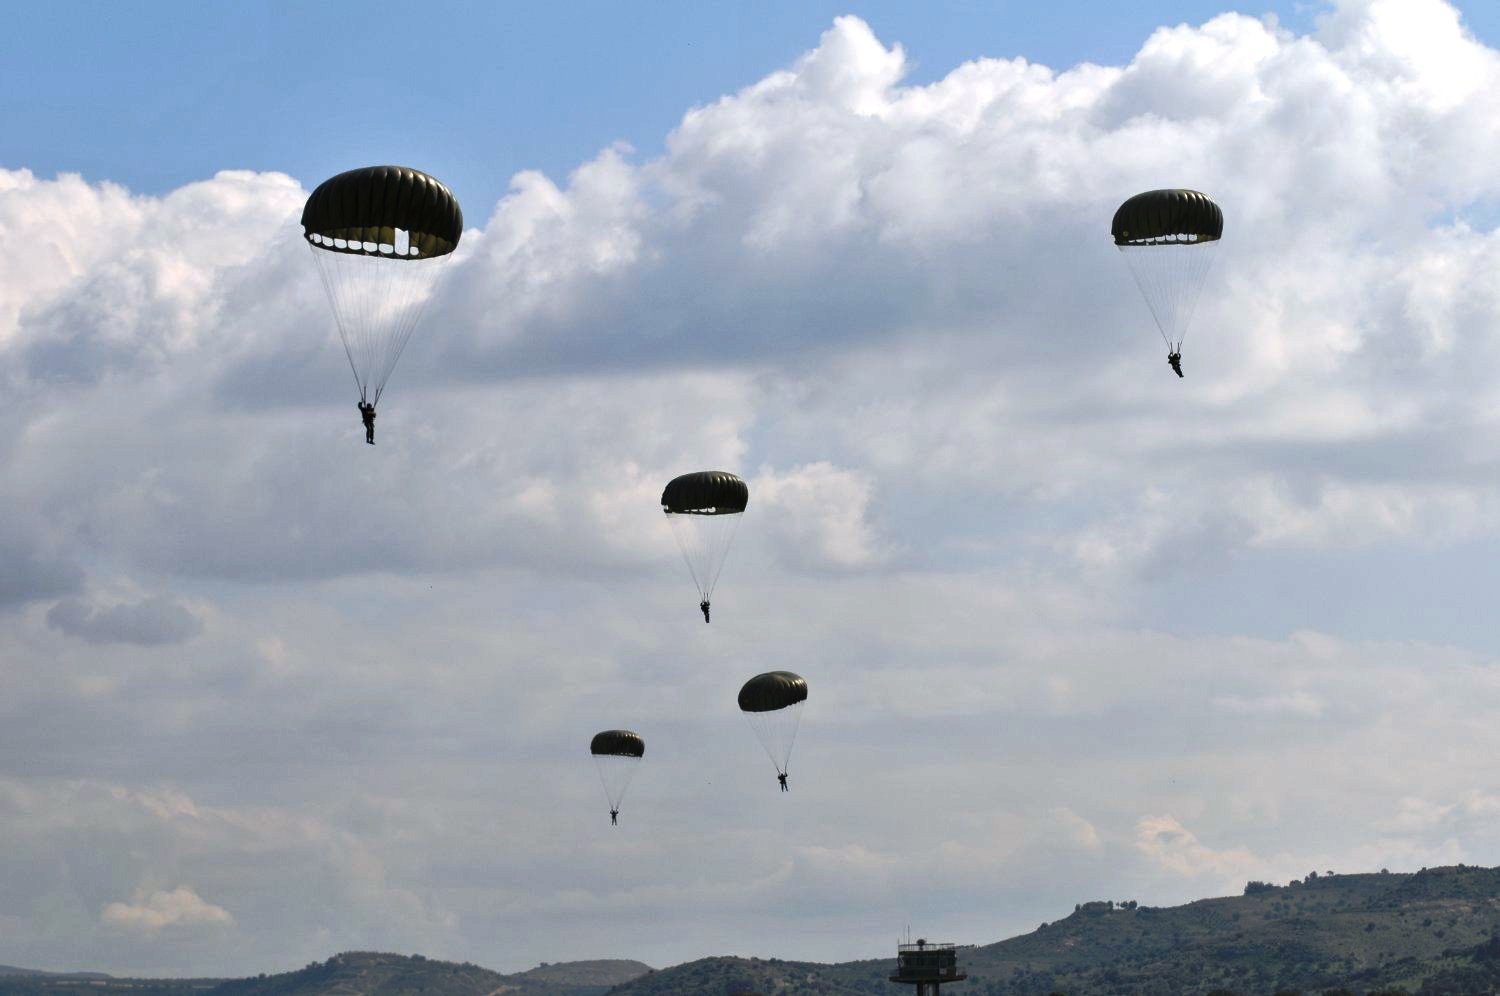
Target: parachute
617,753
1169,238
704,509
772,702
375,234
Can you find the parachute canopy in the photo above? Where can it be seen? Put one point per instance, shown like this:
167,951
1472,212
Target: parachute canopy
1168,217
617,743
706,492
772,702
704,510
374,234
617,753
773,690
369,211
1169,238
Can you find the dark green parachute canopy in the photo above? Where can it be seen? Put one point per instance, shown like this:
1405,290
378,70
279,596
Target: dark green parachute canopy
771,691
1167,217
363,208
617,743
707,492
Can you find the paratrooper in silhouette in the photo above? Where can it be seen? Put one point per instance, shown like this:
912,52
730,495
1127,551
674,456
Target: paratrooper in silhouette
367,414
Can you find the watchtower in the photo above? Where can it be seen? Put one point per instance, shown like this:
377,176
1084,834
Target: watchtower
927,965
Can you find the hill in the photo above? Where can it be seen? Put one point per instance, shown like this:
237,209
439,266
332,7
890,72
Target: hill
354,972
373,974
602,974
1432,932
1435,932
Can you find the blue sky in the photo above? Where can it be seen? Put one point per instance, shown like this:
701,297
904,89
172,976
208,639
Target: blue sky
155,95
270,693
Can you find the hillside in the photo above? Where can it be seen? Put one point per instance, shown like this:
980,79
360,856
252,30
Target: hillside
602,974
1431,933
93,983
355,973
372,974
1428,932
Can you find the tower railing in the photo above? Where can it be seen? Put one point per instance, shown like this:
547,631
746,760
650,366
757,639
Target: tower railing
926,946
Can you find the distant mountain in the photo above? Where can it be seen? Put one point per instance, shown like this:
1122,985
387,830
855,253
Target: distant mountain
1433,933
374,974
354,972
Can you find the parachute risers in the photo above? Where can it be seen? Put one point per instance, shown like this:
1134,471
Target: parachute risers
374,234
773,702
704,510
617,754
1169,238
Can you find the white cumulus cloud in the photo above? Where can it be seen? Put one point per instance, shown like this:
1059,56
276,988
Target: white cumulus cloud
179,907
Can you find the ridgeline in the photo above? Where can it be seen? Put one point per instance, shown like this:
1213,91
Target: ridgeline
353,973
1424,934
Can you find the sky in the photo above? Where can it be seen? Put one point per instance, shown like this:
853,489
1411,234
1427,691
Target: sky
1073,629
